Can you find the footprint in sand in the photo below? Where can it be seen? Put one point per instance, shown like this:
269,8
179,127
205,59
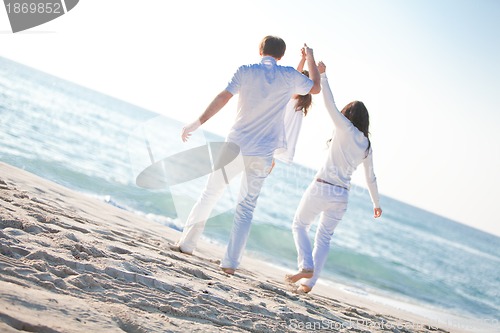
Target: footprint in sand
118,250
196,273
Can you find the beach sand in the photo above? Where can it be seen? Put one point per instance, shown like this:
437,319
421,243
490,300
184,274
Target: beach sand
71,263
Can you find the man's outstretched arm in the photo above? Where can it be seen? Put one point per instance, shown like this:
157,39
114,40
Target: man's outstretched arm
215,106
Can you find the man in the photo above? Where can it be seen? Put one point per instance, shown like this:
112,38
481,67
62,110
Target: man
264,90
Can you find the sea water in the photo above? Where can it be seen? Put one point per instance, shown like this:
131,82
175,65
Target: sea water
98,145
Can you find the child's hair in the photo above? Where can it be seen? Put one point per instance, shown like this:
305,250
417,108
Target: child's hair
304,101
273,46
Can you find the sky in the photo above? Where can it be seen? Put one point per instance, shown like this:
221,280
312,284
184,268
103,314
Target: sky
427,70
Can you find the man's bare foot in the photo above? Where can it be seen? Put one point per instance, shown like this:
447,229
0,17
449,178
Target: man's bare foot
177,248
229,271
302,274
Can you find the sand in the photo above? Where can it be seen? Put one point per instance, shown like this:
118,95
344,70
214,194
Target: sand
71,263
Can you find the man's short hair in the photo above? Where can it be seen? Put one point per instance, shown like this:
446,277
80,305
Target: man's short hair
272,46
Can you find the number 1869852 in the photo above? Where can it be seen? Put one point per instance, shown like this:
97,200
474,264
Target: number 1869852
34,7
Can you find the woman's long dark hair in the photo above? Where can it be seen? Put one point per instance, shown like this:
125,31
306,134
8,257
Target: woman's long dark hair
304,101
357,113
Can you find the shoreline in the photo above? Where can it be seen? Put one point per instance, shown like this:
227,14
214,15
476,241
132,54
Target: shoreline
376,300
71,263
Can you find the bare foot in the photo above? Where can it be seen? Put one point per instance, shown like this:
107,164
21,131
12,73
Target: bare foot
229,271
303,289
177,248
303,274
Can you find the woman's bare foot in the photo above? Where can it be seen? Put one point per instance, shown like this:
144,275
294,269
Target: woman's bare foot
302,274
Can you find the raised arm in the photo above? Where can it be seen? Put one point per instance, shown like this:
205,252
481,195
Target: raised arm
215,106
313,70
302,62
338,118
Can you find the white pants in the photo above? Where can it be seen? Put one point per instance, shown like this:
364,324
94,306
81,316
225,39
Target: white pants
328,201
257,168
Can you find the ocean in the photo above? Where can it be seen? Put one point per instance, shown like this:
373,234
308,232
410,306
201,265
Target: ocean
98,145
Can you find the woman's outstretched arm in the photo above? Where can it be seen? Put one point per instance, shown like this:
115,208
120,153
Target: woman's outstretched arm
338,118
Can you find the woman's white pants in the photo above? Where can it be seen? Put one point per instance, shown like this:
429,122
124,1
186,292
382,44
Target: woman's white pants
330,203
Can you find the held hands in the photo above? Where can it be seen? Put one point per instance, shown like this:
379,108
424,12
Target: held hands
377,212
307,51
188,129
303,53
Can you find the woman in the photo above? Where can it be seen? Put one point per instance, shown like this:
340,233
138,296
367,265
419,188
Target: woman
296,109
327,195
